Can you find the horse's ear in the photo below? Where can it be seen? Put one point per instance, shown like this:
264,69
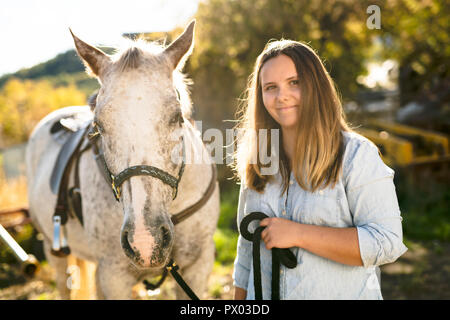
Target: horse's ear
94,59
181,48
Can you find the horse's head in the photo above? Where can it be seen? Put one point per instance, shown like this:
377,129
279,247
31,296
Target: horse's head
139,109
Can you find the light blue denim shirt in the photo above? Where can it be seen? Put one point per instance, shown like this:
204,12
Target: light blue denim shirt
364,197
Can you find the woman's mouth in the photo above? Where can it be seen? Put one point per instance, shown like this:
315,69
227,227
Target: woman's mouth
287,108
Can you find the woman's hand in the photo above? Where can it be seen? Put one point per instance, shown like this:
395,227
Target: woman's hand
337,244
280,233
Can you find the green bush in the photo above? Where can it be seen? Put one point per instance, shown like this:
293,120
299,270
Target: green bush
424,209
228,208
226,243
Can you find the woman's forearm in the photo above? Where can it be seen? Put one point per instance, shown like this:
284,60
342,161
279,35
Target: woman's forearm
337,244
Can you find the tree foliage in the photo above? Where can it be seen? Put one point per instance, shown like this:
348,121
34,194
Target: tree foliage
231,34
417,35
24,103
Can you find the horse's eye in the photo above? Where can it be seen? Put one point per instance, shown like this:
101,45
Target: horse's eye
177,118
98,127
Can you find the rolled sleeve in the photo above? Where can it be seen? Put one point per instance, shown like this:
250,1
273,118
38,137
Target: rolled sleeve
242,262
374,206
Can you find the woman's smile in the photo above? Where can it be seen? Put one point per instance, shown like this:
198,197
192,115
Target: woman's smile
286,108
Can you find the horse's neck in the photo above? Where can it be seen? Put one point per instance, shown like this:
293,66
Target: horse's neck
197,173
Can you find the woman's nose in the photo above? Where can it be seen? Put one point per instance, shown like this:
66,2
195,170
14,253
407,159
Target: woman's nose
283,94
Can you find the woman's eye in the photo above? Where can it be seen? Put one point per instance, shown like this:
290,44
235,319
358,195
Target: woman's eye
269,88
294,82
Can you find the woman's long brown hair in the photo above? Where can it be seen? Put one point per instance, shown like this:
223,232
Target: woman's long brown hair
319,149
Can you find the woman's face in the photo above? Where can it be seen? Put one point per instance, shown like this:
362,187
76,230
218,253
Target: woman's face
280,90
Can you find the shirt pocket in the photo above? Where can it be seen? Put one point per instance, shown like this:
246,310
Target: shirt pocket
320,208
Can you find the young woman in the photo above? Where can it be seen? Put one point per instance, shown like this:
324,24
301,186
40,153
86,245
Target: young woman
332,201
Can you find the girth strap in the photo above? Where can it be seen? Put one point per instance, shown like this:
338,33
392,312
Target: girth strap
284,256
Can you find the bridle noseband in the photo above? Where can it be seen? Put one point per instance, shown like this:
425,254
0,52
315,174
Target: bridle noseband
116,181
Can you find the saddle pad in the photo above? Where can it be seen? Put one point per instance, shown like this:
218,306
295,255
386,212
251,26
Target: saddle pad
71,123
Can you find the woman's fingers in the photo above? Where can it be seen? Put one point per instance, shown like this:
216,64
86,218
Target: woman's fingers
268,243
264,222
265,235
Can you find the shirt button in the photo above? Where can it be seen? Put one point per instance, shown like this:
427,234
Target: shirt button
291,182
321,192
283,212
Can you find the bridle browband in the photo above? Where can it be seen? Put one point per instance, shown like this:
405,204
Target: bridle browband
116,181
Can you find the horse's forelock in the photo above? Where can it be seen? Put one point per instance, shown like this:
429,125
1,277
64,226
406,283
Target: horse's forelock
138,53
133,53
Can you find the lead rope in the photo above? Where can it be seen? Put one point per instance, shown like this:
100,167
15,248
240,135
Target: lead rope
172,267
284,256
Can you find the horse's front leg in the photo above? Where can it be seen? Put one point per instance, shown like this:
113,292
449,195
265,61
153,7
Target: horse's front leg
114,280
196,275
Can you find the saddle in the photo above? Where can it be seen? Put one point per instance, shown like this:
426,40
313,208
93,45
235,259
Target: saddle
69,199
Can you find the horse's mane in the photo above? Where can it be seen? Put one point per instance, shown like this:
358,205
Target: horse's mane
131,56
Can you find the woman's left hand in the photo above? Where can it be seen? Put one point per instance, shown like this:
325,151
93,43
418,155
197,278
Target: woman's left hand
280,233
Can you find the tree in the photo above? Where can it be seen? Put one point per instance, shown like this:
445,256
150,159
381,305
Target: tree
416,34
231,34
24,103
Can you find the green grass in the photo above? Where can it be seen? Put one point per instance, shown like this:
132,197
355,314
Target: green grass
425,210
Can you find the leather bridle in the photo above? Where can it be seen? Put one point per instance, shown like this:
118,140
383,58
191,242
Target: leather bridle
116,181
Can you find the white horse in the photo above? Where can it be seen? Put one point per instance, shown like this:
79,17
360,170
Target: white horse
137,109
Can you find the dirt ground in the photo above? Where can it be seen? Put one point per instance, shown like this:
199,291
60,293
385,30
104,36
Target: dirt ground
423,272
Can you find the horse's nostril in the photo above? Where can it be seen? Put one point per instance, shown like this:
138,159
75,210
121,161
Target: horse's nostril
166,237
126,245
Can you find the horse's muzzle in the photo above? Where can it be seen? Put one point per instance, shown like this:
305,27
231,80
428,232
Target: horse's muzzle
150,250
